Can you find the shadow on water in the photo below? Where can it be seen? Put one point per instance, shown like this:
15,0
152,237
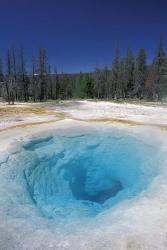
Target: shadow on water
77,186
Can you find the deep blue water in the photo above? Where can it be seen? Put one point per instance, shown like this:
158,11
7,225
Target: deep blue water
83,175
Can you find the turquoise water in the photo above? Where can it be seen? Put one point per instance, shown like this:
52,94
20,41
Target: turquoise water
85,174
84,189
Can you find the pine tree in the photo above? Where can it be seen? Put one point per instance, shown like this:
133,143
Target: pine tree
87,86
129,73
1,70
121,87
114,74
160,65
10,81
140,73
1,77
42,71
22,73
98,79
106,83
34,85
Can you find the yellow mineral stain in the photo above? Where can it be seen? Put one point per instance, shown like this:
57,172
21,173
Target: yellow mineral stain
110,120
30,124
41,111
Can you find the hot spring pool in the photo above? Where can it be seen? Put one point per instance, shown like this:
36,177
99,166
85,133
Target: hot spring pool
66,178
82,176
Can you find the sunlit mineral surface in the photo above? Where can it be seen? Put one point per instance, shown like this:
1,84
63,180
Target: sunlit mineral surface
76,185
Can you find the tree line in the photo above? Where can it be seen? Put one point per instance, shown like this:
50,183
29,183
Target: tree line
129,77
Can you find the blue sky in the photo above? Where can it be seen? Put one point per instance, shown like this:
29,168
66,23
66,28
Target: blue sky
78,35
